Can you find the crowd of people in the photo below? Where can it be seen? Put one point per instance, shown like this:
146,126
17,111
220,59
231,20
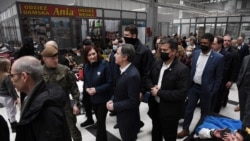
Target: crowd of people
173,77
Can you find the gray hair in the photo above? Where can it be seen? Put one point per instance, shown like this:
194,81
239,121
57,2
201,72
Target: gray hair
52,43
30,65
193,38
129,51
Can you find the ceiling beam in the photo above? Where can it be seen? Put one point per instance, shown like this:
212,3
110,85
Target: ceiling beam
188,9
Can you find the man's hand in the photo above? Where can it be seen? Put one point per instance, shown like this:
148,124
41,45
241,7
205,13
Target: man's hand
110,105
141,96
75,109
229,84
154,90
91,91
228,137
217,133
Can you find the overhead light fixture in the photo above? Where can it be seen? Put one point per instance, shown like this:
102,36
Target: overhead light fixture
140,9
166,13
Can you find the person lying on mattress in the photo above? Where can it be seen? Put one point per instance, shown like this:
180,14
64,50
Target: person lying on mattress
225,134
223,128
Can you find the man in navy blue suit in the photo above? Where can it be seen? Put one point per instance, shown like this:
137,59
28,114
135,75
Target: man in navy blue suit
143,56
125,101
206,75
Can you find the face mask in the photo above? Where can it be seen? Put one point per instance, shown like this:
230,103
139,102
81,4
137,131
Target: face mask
204,48
188,44
164,56
130,40
188,53
114,47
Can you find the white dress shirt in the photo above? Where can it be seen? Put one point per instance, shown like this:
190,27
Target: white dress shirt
163,68
239,46
200,66
124,68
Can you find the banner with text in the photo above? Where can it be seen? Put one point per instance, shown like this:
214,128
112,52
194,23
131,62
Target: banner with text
56,10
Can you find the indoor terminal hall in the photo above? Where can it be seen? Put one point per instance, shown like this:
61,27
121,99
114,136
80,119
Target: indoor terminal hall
142,69
88,133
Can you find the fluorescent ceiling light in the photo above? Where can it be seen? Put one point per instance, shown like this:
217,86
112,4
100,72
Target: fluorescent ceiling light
140,9
166,13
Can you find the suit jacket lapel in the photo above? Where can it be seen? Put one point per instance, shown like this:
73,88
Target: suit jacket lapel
194,62
209,61
125,72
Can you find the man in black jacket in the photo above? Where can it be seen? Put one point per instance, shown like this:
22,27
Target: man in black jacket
143,56
42,117
168,82
243,88
4,130
218,97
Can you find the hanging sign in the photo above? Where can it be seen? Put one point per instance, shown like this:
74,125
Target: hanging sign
31,9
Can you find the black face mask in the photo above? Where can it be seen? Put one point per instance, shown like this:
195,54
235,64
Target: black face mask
164,56
204,48
130,40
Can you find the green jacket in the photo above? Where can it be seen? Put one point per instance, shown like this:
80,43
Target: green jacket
64,77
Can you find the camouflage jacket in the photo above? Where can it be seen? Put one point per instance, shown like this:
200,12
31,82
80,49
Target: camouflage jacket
64,77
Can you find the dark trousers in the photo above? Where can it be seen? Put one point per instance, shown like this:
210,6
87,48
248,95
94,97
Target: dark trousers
87,106
4,130
195,93
166,128
225,96
128,121
218,99
244,99
169,129
101,113
156,125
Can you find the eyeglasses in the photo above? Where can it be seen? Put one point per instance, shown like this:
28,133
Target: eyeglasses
12,75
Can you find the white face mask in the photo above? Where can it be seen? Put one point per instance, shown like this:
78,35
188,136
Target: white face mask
188,53
114,47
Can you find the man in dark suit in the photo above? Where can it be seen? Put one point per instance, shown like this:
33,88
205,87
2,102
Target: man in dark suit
243,84
125,101
143,56
206,75
218,97
168,81
243,48
234,68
